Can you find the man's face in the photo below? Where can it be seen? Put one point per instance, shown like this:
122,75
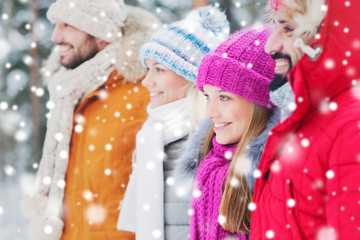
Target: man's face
281,45
75,46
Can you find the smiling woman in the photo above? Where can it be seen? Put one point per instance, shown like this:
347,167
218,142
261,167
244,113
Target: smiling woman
172,57
229,112
164,85
234,79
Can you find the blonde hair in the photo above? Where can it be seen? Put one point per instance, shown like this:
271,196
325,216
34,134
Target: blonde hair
197,104
236,197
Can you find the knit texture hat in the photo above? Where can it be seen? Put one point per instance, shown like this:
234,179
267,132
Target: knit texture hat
181,45
100,18
241,66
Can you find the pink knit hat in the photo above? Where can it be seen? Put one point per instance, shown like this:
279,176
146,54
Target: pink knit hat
241,66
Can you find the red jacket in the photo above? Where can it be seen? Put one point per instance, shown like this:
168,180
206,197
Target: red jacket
310,182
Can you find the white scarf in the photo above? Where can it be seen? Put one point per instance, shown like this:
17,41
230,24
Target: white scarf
142,209
67,88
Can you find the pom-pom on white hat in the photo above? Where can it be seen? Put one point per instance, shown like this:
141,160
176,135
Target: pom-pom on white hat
100,18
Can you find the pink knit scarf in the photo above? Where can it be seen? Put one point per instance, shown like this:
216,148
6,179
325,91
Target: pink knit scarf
209,184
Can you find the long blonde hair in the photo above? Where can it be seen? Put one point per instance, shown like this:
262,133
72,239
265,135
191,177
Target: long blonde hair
197,104
236,197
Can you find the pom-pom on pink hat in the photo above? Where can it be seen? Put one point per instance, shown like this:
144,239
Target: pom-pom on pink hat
241,66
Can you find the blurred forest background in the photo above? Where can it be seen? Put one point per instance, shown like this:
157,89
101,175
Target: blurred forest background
24,46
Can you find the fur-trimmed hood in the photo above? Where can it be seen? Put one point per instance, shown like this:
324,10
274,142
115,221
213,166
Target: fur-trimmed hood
139,27
186,166
283,98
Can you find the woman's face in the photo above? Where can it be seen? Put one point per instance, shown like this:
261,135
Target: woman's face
164,85
229,113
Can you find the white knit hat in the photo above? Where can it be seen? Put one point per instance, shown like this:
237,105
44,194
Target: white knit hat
100,18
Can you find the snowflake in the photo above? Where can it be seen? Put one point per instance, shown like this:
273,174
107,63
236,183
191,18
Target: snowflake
64,154
290,202
96,214
48,229
79,128
234,182
257,173
270,234
221,219
251,206
129,53
305,142
190,212
108,147
329,64
103,94
326,233
88,195
170,181
4,106
275,167
150,166
21,135
47,180
117,114
50,105
197,193
228,155
291,106
107,171
330,174
9,170
146,207
35,165
156,233
61,183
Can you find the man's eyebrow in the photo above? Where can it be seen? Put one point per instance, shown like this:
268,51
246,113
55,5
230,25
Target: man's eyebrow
283,21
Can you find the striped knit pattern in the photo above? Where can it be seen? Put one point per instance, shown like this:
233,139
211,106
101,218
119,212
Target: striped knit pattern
182,45
210,180
241,66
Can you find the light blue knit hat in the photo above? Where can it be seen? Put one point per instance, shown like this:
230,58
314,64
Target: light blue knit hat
182,45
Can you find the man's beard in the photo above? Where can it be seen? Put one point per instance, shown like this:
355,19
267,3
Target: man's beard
79,59
89,50
277,82
279,79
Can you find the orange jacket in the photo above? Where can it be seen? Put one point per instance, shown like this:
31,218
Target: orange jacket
103,140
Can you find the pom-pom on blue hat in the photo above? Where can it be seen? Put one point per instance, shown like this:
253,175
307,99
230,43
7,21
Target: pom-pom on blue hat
180,46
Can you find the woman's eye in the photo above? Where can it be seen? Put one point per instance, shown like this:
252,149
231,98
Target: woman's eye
147,69
288,29
224,98
159,70
206,96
